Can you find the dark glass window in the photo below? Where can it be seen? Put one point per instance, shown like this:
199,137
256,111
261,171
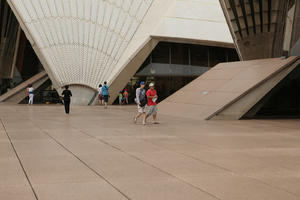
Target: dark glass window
161,53
217,55
145,64
199,55
179,54
232,55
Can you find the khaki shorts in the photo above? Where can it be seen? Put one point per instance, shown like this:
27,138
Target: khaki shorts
142,109
152,110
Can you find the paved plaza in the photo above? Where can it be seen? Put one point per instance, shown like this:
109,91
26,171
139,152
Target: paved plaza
97,154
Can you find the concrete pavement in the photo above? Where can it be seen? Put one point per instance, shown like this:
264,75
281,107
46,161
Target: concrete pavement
96,154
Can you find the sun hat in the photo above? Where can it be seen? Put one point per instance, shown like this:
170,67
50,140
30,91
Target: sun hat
151,85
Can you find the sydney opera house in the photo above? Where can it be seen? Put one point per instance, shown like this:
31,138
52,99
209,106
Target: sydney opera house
213,59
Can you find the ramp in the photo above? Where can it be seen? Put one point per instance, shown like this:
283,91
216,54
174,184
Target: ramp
17,94
229,90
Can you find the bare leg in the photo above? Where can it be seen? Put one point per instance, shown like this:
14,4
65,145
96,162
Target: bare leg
154,119
145,119
137,116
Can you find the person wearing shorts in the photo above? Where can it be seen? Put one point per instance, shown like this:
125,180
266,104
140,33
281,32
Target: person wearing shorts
152,103
141,102
105,94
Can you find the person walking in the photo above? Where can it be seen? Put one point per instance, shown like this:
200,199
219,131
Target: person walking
67,98
152,103
30,93
100,96
120,98
105,93
141,101
125,95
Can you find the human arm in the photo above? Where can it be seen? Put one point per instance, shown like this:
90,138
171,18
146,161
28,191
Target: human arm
137,96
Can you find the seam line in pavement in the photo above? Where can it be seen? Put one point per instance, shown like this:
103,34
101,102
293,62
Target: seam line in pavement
202,161
223,168
20,162
85,164
227,170
149,164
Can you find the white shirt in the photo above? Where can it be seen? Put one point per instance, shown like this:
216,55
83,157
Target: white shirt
100,90
30,90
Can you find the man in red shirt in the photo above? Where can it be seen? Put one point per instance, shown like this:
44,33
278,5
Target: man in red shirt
152,103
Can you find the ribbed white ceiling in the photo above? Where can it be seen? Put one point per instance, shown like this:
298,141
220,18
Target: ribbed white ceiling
81,40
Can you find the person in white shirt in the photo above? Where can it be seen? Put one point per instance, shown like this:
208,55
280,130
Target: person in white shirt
141,101
30,92
100,96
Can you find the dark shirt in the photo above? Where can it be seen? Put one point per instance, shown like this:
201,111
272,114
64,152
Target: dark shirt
67,95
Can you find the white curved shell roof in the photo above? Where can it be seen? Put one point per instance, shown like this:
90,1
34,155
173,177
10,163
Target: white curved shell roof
81,41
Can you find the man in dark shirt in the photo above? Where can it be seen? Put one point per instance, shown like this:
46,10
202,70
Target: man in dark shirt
67,99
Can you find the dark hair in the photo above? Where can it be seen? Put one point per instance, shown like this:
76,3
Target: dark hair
67,87
29,85
100,85
105,82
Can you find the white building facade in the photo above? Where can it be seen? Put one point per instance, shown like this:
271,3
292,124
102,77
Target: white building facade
83,43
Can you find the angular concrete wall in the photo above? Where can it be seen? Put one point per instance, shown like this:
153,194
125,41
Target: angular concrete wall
229,90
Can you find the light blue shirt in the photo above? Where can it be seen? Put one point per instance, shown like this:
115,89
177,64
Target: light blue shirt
105,89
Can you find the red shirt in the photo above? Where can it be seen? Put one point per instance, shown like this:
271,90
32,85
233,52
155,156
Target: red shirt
151,93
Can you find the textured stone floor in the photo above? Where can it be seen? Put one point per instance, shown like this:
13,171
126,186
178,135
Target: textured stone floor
96,154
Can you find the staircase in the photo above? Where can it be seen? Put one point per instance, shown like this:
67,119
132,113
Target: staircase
17,94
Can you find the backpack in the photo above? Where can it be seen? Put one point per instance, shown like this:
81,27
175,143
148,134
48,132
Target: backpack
142,97
105,90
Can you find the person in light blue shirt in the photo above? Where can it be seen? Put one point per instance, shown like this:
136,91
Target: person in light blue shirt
105,94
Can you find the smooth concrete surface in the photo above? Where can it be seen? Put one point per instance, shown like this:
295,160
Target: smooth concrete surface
223,86
240,107
95,154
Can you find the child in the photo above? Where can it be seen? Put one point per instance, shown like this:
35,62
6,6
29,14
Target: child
120,98
126,94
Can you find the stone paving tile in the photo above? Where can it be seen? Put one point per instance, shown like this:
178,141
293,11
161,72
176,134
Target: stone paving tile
78,191
96,154
16,193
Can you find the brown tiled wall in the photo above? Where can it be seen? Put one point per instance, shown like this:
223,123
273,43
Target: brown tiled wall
296,28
